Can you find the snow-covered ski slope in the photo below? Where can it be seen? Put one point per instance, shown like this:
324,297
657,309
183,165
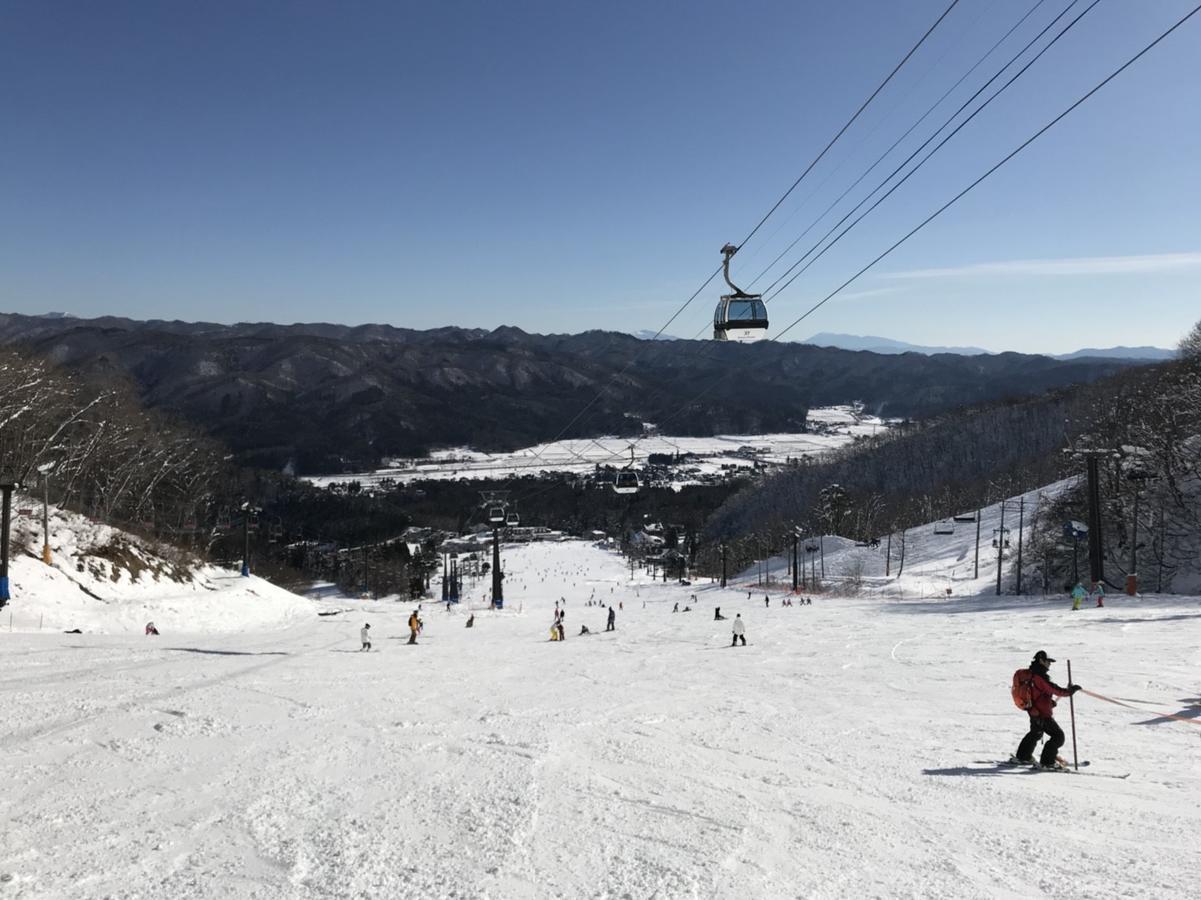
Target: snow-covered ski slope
835,756
834,427
931,559
105,580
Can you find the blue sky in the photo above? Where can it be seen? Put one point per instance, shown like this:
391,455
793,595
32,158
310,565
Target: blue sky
566,165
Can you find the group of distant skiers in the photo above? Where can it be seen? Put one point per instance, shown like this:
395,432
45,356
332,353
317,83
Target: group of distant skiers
558,631
1079,594
415,626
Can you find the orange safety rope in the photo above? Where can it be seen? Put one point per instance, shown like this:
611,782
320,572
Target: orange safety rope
1161,715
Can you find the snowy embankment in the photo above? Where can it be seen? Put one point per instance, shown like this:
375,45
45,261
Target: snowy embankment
933,560
846,752
103,580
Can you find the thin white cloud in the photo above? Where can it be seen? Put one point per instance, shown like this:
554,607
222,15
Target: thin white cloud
872,292
1082,265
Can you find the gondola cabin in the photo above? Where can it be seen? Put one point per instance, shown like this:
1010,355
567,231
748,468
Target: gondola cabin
739,316
742,319
626,482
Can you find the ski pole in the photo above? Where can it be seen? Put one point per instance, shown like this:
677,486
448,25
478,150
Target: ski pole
1072,708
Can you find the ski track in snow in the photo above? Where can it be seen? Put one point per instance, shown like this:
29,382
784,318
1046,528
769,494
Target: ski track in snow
833,757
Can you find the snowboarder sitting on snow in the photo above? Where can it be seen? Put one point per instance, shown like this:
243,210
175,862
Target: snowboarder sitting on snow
414,627
676,608
739,631
1043,692
365,636
717,616
471,620
150,629
584,630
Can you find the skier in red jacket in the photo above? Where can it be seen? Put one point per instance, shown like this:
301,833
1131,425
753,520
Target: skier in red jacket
1042,715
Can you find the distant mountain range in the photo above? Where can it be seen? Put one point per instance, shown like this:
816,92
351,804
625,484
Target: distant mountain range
330,398
874,344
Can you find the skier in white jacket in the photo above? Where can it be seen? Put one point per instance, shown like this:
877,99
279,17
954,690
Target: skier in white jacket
365,635
739,631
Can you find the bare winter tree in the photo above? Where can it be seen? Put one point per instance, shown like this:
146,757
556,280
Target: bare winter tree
1190,345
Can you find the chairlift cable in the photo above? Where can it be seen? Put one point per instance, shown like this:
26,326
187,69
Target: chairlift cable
1013,153
850,121
1026,143
769,213
979,62
832,173
791,269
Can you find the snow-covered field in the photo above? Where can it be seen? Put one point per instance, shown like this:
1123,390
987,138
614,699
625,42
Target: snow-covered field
843,753
836,427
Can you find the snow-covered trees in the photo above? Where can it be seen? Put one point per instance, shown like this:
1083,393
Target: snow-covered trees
102,452
1190,345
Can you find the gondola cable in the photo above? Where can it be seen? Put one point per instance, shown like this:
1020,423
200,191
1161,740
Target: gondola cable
979,62
933,151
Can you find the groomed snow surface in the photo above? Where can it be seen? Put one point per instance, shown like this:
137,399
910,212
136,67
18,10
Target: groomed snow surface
843,753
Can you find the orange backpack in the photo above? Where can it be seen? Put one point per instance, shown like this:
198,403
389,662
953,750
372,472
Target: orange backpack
1023,689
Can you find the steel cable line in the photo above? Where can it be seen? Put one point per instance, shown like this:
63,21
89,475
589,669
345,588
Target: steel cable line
850,121
933,135
769,213
934,150
1026,143
801,205
955,199
979,62
922,146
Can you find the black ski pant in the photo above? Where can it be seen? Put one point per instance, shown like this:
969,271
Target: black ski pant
737,638
1038,727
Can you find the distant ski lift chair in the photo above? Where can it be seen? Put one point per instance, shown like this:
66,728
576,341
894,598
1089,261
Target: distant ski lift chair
275,532
1000,538
496,515
512,520
739,316
946,526
224,520
626,481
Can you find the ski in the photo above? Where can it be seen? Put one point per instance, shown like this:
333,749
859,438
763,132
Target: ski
1009,764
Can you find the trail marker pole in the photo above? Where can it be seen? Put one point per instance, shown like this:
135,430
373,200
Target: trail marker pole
1072,707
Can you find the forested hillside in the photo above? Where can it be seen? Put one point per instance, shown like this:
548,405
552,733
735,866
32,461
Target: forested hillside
327,398
1148,422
